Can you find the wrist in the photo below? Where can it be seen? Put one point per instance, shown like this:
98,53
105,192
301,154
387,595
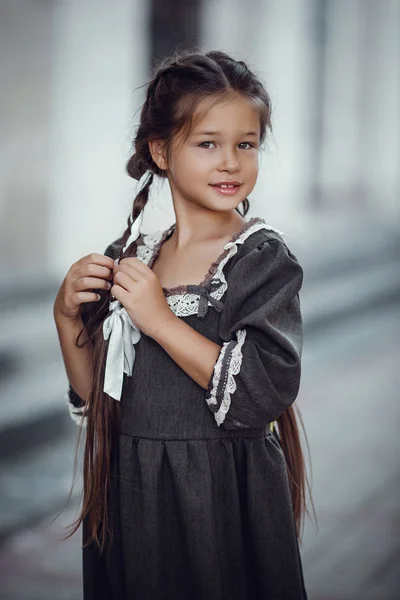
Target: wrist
63,320
162,325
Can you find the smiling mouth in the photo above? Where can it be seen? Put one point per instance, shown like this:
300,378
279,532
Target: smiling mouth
226,185
227,189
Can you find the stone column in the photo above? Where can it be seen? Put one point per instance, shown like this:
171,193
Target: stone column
341,173
379,106
100,57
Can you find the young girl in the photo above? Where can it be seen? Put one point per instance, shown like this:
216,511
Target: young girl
190,360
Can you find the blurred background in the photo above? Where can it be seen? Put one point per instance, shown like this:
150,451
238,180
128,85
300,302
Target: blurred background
70,74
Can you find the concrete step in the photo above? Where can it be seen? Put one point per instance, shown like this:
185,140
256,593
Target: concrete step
33,410
36,433
339,297
32,391
38,483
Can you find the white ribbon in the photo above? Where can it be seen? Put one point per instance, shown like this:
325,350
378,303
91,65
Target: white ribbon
143,179
135,226
135,230
123,334
119,328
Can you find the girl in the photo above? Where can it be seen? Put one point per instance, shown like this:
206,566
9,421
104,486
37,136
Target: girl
190,360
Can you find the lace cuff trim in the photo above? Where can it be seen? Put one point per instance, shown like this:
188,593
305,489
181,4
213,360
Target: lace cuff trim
77,413
223,382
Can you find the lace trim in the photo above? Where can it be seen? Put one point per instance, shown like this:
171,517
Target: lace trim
151,245
232,248
77,413
211,273
212,399
184,305
230,383
182,302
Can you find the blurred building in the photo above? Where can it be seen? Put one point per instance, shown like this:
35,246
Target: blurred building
71,73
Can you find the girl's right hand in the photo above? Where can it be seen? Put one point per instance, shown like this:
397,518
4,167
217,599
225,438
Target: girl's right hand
91,272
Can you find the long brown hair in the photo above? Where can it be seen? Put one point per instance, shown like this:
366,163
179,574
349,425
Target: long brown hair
172,95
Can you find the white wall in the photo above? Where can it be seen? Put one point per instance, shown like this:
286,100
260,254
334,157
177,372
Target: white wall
100,57
355,167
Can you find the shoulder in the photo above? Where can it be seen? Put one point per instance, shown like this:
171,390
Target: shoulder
257,242
258,232
263,257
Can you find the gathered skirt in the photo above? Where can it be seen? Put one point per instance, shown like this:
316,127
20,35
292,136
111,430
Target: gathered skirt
201,519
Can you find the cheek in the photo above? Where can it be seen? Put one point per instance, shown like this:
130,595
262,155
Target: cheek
194,163
250,164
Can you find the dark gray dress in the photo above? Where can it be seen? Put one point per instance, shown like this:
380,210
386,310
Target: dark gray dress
200,496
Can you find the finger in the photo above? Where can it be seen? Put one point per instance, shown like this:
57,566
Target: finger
136,264
132,271
120,294
99,259
93,270
88,283
84,297
124,280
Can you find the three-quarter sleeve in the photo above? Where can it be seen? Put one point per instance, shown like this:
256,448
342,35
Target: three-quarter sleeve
76,405
257,373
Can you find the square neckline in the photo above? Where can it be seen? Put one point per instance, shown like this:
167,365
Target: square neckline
183,287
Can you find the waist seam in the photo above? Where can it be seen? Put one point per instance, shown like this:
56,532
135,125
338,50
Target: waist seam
261,433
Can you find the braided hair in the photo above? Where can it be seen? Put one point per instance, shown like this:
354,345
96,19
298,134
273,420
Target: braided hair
177,86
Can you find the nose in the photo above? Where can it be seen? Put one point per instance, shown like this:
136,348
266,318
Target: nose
229,161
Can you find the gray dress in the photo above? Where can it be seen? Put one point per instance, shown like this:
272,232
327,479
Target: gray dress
200,494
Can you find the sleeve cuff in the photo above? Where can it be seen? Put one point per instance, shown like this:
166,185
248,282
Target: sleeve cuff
222,382
76,407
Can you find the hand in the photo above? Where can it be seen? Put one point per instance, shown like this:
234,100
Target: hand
87,274
139,290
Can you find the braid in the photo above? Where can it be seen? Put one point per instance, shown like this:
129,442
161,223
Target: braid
139,204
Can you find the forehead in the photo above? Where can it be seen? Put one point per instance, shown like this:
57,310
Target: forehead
235,114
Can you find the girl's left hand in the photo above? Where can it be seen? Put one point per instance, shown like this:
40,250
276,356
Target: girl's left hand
139,290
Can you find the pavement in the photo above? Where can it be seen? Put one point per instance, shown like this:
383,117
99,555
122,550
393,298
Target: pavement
349,403
348,400
351,410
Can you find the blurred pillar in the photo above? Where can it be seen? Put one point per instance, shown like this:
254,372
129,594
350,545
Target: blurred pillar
273,38
318,33
100,56
174,26
380,107
341,173
25,66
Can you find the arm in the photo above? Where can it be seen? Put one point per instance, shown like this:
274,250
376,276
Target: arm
76,301
77,361
192,351
255,375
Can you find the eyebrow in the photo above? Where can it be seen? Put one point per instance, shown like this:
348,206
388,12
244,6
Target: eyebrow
253,133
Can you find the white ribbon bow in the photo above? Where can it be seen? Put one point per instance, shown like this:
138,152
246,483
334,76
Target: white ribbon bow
135,230
119,328
123,334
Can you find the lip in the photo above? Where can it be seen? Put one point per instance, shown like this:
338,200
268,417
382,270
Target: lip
227,191
226,183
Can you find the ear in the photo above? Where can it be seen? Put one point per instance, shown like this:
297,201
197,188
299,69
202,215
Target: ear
158,154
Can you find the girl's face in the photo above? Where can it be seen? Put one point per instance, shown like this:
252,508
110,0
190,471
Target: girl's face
223,146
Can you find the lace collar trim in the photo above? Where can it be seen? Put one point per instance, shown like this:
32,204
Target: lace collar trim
150,248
